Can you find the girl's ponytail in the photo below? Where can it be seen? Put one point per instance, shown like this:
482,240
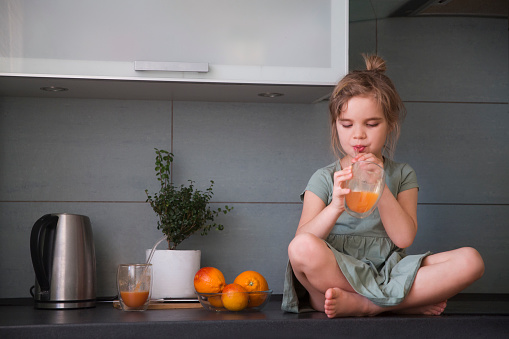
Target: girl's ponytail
374,63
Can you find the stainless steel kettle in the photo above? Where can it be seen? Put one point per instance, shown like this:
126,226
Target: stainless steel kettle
63,256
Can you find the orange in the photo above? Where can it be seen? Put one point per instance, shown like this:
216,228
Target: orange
209,280
215,301
234,297
253,281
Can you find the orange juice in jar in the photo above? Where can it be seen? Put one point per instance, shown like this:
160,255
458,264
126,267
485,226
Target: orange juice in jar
361,202
366,187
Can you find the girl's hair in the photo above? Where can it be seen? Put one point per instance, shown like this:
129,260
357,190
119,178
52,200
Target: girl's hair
370,82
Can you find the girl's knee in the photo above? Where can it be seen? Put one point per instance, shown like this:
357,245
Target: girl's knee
473,262
302,246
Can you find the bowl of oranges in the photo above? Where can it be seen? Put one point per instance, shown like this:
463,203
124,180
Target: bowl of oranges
248,292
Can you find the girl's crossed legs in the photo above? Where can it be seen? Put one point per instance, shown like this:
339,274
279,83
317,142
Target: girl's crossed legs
440,277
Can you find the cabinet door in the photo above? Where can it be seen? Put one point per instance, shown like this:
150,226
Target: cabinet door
229,41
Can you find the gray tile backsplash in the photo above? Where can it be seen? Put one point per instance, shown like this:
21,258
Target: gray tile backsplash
444,227
456,59
253,152
459,152
80,150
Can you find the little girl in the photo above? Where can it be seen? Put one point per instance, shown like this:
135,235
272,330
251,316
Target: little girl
345,266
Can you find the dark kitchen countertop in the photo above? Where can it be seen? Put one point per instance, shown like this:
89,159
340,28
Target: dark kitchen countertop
469,315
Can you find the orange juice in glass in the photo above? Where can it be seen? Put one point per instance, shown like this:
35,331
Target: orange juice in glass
366,187
134,283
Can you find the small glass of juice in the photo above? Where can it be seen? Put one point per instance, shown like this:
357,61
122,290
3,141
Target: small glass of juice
366,187
134,284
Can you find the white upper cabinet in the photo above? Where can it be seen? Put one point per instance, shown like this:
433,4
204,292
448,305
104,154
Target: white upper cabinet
272,42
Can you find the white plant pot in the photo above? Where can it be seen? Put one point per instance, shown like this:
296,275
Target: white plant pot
173,273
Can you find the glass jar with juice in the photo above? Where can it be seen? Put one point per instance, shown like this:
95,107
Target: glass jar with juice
366,187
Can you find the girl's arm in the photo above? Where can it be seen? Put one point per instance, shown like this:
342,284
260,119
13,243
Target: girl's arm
316,217
399,216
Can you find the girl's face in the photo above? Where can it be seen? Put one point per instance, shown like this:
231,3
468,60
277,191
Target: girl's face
362,127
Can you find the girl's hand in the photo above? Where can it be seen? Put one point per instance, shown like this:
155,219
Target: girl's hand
338,193
368,157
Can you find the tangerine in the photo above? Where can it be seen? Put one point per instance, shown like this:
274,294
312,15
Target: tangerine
215,301
209,280
234,297
253,281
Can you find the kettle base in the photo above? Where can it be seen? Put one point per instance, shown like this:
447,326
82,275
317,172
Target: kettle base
59,305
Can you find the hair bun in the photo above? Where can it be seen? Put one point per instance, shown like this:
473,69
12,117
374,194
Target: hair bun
374,63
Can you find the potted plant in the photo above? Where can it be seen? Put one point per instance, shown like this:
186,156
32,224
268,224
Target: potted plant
182,211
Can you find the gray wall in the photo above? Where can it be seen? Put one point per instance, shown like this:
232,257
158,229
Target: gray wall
95,157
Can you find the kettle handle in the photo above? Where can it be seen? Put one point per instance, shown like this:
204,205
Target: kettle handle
35,249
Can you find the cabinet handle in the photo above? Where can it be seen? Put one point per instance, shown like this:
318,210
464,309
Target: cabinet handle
201,67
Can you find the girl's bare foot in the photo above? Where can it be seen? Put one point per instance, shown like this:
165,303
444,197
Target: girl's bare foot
434,309
339,303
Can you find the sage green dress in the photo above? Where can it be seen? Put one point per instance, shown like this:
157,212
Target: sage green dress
372,264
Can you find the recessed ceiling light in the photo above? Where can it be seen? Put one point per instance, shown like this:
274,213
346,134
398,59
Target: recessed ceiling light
270,94
54,89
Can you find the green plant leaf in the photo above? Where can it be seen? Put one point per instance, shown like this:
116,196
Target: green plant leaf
183,210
